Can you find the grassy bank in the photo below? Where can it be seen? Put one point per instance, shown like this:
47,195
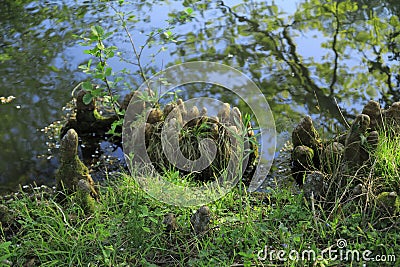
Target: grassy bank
281,227
127,230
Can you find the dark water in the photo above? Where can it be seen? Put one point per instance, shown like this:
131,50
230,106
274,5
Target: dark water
305,58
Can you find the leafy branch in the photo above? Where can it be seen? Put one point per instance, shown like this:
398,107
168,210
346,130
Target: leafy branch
165,34
103,54
101,71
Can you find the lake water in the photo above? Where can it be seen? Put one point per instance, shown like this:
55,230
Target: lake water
40,55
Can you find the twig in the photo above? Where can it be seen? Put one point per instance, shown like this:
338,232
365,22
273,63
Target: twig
105,80
137,54
341,114
335,68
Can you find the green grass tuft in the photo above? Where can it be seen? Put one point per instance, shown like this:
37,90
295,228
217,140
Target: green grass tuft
387,161
126,229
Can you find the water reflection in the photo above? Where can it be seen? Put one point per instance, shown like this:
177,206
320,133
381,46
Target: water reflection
38,70
321,57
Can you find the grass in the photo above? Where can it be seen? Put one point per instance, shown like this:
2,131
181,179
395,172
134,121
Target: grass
387,161
127,230
280,227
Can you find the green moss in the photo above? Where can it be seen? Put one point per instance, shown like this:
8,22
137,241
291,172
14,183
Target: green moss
73,176
304,155
85,201
70,173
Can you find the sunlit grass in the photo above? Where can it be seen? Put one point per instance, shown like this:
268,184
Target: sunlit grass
387,161
126,229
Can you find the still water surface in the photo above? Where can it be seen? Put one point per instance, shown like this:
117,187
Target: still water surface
40,55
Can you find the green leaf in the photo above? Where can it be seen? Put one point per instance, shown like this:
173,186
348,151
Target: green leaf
97,31
372,91
146,229
4,57
108,71
274,9
109,52
87,99
98,92
243,30
100,46
98,75
168,34
54,68
154,220
108,34
132,18
100,30
100,67
115,124
394,21
87,51
87,86
5,245
145,212
245,255
189,10
362,36
94,31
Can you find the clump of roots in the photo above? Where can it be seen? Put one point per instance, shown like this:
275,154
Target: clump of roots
194,138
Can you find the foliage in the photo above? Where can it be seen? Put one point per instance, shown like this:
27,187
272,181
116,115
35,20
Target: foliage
110,90
387,162
39,69
255,36
102,72
127,230
4,251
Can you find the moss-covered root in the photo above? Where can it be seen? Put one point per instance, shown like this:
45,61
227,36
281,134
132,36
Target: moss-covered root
84,196
200,220
73,174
